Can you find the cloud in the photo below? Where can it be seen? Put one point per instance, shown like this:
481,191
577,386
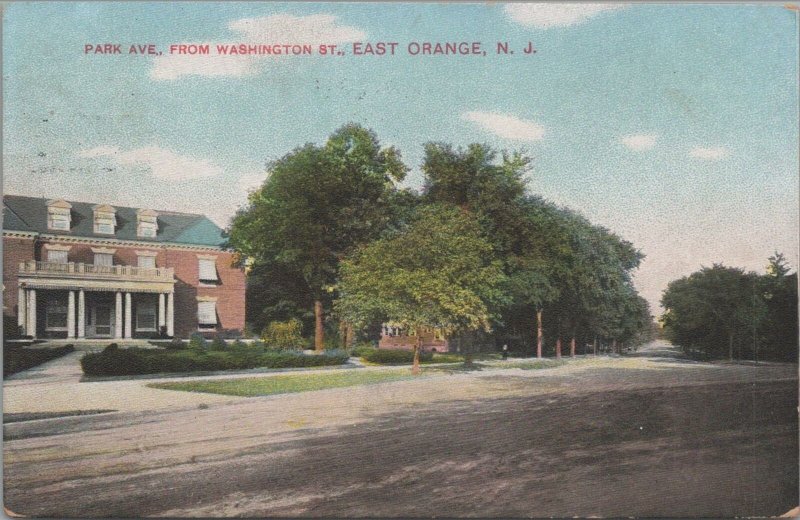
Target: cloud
506,126
274,29
162,163
711,154
172,66
639,141
548,15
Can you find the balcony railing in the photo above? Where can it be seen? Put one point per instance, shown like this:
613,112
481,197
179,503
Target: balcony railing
80,270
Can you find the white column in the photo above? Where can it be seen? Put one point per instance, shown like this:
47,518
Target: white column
162,311
30,329
71,314
170,314
118,317
22,310
128,309
81,315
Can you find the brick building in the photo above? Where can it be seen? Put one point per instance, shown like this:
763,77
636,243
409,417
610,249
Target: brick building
82,270
394,336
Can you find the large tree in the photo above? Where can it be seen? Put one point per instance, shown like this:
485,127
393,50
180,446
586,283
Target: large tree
437,273
716,310
317,204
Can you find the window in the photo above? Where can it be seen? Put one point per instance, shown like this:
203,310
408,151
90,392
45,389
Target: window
207,315
146,223
104,225
147,261
105,219
56,315
59,215
208,270
104,259
146,315
147,231
57,257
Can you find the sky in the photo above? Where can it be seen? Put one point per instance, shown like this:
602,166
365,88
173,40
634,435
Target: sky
675,126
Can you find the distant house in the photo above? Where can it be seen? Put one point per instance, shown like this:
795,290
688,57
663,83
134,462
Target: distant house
82,270
396,337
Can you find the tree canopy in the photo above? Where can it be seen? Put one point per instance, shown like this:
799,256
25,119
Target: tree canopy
437,273
318,203
722,311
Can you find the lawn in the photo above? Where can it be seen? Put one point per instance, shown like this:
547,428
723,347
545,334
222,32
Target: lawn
290,383
531,364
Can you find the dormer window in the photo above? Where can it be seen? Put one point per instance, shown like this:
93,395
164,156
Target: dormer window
105,219
59,215
146,223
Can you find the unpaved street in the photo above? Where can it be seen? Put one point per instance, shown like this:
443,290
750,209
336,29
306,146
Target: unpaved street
651,435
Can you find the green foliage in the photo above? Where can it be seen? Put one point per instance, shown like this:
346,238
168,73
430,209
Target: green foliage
218,344
385,356
362,349
16,359
318,203
175,344
436,273
135,361
729,312
197,343
284,335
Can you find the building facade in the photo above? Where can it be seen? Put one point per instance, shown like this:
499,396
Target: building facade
81,270
396,337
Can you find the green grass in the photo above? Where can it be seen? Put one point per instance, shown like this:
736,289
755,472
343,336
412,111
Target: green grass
531,364
283,384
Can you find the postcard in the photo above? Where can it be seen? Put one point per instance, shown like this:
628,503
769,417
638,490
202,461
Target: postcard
402,260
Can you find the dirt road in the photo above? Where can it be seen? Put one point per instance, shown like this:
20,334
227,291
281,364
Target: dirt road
645,436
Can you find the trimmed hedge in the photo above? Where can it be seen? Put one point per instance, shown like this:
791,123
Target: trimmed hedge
362,350
387,356
136,361
17,359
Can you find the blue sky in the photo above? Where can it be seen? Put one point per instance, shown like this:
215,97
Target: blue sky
675,126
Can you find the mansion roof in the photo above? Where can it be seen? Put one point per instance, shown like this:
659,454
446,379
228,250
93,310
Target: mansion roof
30,214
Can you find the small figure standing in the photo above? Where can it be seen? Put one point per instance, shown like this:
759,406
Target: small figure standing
505,352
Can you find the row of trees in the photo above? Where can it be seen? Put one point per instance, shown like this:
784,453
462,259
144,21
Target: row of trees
330,230
728,312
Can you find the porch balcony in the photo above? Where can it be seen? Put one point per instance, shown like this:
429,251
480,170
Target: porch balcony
81,271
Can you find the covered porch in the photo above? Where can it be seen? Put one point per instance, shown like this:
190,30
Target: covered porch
62,303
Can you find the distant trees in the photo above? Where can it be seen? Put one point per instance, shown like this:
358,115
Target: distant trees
728,312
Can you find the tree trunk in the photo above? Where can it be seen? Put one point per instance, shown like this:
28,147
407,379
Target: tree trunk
730,346
343,333
572,347
319,330
539,334
417,345
558,348
594,346
348,336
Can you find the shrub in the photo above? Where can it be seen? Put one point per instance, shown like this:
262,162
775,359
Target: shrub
197,342
284,335
362,350
111,347
218,344
134,361
395,356
175,344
